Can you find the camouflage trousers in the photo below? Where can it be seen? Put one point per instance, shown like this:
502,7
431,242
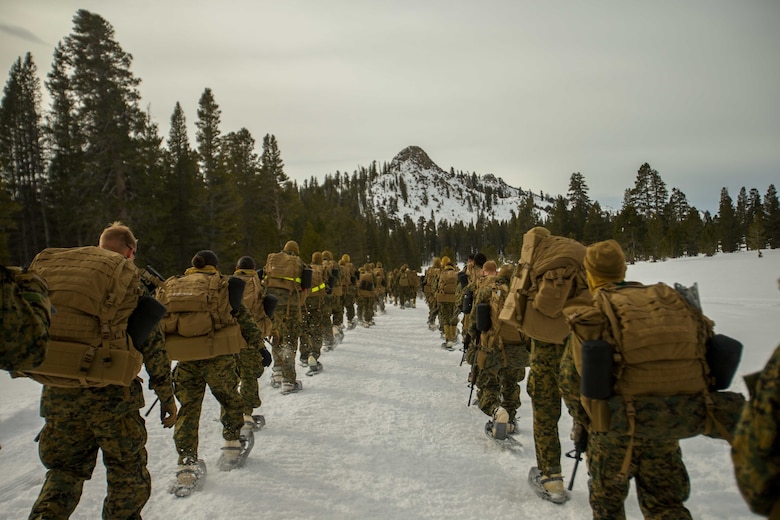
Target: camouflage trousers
657,467
498,380
365,305
433,308
250,368
288,329
350,295
313,329
337,310
546,402
407,294
190,379
68,448
447,314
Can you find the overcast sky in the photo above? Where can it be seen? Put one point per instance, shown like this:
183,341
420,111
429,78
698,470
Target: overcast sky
529,91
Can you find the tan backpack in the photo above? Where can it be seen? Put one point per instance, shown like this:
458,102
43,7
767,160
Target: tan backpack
447,286
318,284
336,270
254,295
282,270
549,274
198,324
661,378
93,291
366,285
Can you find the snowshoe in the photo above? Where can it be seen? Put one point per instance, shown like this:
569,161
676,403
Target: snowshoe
291,388
314,370
507,442
548,488
189,478
255,422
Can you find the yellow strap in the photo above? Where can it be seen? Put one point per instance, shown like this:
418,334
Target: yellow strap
318,288
295,280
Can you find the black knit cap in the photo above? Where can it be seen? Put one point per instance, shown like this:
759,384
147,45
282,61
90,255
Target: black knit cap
204,258
246,262
480,259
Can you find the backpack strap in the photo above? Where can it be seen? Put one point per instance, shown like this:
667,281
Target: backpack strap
622,476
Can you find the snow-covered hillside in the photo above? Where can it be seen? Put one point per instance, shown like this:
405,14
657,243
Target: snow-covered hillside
415,186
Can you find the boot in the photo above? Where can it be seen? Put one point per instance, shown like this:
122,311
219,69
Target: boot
229,456
500,421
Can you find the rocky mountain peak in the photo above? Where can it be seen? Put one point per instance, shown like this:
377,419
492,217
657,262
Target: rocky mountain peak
413,155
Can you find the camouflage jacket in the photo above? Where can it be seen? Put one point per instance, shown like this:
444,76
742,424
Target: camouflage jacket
24,320
756,447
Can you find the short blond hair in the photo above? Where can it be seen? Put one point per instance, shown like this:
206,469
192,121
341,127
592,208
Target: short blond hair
116,235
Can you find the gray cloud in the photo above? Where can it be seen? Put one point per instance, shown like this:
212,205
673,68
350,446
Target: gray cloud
22,33
529,91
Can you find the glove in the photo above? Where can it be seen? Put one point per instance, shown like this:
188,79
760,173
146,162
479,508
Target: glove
236,292
168,413
267,359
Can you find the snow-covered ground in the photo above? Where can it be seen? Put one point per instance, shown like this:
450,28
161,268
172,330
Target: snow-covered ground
384,432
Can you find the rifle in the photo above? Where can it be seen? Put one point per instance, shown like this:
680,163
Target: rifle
580,437
466,343
151,278
473,374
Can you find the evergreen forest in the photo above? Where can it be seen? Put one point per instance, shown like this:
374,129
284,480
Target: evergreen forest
94,157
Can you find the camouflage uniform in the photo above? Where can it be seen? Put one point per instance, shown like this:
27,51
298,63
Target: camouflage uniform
191,377
662,480
314,323
546,401
25,319
250,361
366,300
79,421
350,288
431,278
756,447
336,296
661,477
288,321
503,367
406,292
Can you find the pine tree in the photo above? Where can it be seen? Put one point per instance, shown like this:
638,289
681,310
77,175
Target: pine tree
242,160
772,217
727,224
579,205
741,213
106,111
279,194
21,159
69,183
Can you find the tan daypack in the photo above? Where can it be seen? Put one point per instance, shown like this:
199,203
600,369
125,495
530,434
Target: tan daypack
549,274
660,373
447,286
509,335
283,270
335,270
93,291
198,323
318,282
254,294
366,285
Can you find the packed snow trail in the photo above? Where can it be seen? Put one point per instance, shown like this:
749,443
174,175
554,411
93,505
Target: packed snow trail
384,432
